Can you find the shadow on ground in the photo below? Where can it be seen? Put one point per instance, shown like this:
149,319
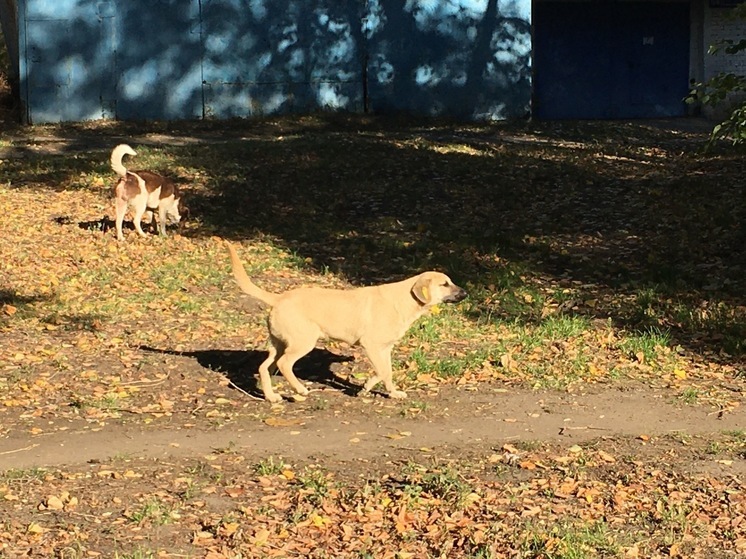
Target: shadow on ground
630,216
240,367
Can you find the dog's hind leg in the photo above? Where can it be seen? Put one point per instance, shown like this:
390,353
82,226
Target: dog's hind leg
294,351
139,209
121,209
268,367
381,360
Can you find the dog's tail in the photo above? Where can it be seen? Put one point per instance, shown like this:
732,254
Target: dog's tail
116,158
243,281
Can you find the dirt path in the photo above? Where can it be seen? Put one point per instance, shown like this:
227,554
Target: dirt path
352,429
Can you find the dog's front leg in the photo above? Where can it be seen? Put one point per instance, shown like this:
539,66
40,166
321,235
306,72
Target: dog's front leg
162,220
380,357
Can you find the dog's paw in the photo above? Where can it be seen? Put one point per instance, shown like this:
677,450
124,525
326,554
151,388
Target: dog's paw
272,397
302,390
397,394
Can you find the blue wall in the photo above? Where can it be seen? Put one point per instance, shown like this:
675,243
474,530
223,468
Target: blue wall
178,59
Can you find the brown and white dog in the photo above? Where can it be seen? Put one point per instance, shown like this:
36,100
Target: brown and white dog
143,191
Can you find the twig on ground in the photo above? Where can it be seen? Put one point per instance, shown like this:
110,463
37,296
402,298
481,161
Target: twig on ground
29,447
244,392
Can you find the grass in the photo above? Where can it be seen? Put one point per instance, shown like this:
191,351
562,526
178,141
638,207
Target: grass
270,466
442,483
550,282
646,344
22,476
153,511
313,485
576,273
690,395
570,541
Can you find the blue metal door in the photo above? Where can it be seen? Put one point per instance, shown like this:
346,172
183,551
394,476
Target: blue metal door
610,59
66,60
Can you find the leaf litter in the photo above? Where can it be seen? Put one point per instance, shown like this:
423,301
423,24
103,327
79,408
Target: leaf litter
604,255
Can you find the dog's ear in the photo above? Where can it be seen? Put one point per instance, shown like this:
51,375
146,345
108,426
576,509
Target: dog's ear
421,290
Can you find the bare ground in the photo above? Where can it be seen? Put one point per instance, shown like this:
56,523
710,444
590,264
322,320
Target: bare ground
454,421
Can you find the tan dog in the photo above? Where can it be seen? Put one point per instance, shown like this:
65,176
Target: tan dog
143,190
373,317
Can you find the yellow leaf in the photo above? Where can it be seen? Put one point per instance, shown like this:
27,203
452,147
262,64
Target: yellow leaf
35,528
282,421
319,520
229,528
679,373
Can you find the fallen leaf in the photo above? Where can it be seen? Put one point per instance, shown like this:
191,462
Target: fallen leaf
35,528
606,457
283,421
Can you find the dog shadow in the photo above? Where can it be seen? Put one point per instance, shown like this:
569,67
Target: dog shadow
107,224
102,225
241,367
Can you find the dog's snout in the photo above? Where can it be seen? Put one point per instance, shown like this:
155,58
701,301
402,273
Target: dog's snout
456,295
